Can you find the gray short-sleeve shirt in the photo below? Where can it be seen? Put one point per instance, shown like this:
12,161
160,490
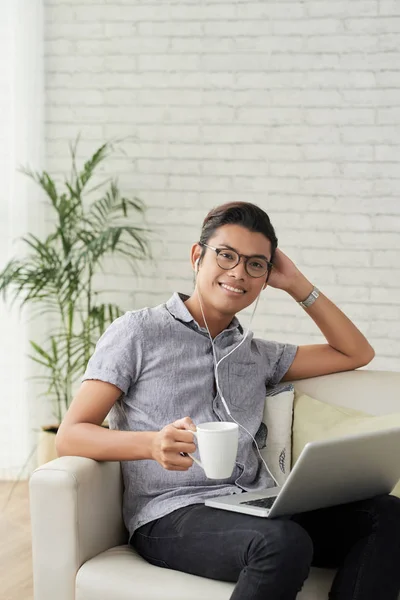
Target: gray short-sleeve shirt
162,361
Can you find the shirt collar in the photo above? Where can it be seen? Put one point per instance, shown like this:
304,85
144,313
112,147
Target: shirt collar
177,308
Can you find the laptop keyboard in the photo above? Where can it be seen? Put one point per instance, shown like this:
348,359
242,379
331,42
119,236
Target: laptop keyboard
262,502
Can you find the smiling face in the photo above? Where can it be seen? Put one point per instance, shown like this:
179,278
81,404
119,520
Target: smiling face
230,291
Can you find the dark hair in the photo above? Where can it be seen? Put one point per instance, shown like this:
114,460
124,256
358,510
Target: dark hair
247,215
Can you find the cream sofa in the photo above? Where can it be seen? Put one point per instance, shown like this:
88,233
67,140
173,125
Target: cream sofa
79,542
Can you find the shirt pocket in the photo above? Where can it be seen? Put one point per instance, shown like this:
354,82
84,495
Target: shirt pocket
244,382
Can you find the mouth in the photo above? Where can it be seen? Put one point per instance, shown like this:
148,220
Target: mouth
239,291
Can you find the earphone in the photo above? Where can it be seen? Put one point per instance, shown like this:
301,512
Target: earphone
216,365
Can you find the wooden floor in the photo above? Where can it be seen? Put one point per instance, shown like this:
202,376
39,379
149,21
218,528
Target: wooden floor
15,542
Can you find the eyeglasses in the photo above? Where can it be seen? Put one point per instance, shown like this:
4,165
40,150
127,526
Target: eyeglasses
255,266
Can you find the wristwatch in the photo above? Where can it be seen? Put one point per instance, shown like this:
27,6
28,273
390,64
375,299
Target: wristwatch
310,299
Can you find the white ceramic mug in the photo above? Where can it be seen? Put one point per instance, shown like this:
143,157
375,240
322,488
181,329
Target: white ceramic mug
217,443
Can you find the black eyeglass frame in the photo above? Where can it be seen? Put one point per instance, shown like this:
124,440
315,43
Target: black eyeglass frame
245,256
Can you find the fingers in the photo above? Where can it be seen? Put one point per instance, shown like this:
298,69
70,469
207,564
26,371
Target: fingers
173,443
176,462
181,431
185,447
169,446
185,423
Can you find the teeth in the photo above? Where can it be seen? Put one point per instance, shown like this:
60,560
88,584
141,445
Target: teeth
232,289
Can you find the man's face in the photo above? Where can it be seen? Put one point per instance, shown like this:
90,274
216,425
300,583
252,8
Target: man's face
230,291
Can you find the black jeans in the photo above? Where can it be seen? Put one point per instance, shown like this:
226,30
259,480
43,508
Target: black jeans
269,559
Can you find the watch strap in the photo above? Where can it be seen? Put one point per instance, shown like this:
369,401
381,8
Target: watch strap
311,298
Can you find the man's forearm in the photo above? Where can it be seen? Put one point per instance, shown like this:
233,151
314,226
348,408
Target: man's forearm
338,329
99,443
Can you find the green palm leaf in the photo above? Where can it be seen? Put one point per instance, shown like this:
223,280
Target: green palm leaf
45,182
55,275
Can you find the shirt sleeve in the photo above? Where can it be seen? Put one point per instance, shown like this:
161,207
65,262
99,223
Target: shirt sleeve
279,358
117,356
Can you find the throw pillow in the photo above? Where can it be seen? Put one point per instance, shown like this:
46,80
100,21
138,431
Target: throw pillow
315,420
274,437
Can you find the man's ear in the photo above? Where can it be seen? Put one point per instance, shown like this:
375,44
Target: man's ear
195,256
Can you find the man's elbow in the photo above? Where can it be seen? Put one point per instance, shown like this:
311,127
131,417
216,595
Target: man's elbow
61,443
366,357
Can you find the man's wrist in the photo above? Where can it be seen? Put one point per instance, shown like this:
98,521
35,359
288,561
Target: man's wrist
142,444
300,289
309,301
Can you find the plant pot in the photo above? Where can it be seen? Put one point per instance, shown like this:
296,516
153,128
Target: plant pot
47,444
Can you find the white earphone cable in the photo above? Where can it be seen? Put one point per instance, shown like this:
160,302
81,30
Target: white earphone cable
216,365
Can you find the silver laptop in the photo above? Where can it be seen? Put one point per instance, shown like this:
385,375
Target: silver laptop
327,473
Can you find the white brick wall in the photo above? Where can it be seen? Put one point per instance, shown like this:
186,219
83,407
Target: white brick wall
292,105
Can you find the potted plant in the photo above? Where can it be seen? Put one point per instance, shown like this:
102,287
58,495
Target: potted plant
89,224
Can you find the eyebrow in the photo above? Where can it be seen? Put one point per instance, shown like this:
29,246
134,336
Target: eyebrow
246,255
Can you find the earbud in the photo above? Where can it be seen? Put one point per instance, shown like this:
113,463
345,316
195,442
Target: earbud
196,265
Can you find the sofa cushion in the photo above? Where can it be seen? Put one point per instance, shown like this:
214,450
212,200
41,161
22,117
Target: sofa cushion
315,420
121,574
274,437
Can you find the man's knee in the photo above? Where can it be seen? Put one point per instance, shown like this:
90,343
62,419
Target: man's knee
296,547
386,504
385,512
288,547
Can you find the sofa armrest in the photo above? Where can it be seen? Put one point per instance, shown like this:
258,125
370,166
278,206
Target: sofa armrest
76,513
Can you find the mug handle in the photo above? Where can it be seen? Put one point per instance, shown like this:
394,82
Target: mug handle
196,460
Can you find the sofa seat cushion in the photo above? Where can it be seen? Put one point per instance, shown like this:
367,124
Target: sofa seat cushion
121,574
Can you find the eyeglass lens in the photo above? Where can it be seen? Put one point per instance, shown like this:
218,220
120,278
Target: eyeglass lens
255,267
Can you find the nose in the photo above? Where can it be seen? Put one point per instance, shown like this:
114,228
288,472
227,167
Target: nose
239,272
